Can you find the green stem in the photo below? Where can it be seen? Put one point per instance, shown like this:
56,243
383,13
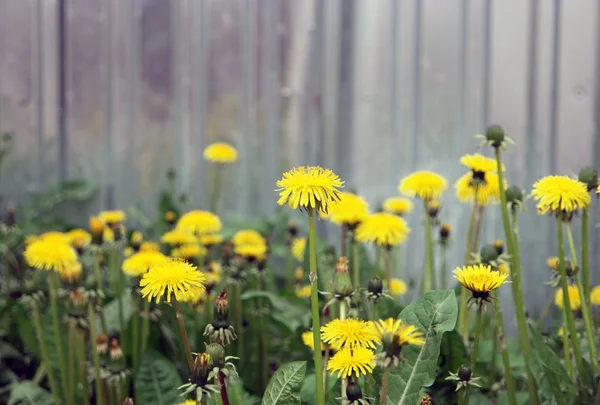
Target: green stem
37,324
71,361
567,305
80,352
98,276
343,315
443,278
428,250
262,357
475,351
145,326
571,243
117,276
463,322
96,357
545,312
512,241
214,202
510,383
355,262
566,349
238,321
585,259
135,324
315,308
290,270
343,239
385,252
184,335
385,382
58,338
203,401
374,311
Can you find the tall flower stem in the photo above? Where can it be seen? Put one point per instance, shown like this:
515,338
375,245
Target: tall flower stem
567,305
238,320
290,269
428,250
214,201
117,279
385,382
81,361
95,356
566,346
135,323
355,261
585,309
510,383
145,326
585,259
443,268
262,356
343,315
37,324
463,314
315,308
184,335
71,360
475,350
374,312
385,252
512,242
57,337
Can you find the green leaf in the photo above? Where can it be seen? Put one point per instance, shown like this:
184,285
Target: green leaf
283,312
157,380
434,314
28,393
285,385
111,314
308,394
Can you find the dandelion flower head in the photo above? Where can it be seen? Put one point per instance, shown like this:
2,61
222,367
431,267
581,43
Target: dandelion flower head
247,237
221,152
574,298
595,295
560,195
424,184
298,247
258,252
350,332
178,237
71,273
384,229
398,205
553,263
79,238
409,335
308,340
309,187
350,210
479,163
113,216
479,278
397,287
200,222
139,263
172,277
210,239
148,246
487,190
303,292
50,254
352,362
189,251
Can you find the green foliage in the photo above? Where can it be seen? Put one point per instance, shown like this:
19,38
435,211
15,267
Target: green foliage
157,380
285,385
284,312
111,314
29,393
434,313
308,393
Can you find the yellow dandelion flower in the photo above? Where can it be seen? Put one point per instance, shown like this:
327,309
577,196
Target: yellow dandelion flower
503,268
409,335
148,246
200,222
560,332
309,187
479,278
480,163
384,229
96,226
595,295
389,325
398,205
308,340
172,277
51,236
139,263
221,152
189,251
113,216
397,287
71,273
108,235
303,292
574,298
298,247
136,238
50,254
178,237
215,266
210,239
258,252
487,190
560,194
79,238
425,184
352,361
553,263
247,237
212,278
298,274
350,332
350,210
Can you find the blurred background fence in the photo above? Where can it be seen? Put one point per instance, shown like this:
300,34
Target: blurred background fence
119,91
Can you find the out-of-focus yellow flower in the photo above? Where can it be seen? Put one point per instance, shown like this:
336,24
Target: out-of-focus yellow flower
113,216
308,340
50,254
397,287
424,184
303,292
79,238
148,246
309,187
139,263
210,239
247,237
221,152
298,247
71,273
200,222
178,237
574,298
479,163
595,295
384,229
350,210
189,251
398,205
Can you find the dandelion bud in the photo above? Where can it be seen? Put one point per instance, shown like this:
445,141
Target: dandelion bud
426,400
170,217
375,286
495,135
353,392
445,230
136,240
298,274
499,244
96,229
341,279
514,195
101,343
589,176
115,349
464,372
201,370
10,217
433,208
488,254
217,355
221,305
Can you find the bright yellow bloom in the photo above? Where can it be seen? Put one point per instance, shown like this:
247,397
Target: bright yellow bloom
210,239
214,266
258,252
350,332
212,278
139,263
488,190
350,210
148,246
113,217
309,187
574,298
189,251
479,278
221,152
349,361
553,263
397,287
389,325
71,273
128,251
298,247
50,254
108,235
560,194
176,277
480,163
52,235
384,229
79,238
503,268
303,292
595,295
248,237
200,222
308,340
136,238
96,226
178,237
398,205
409,335
425,184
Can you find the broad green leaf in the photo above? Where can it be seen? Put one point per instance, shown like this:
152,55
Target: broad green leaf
28,393
453,352
157,380
434,314
283,311
111,314
285,385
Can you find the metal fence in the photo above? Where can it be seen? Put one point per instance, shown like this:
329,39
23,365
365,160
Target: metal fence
118,91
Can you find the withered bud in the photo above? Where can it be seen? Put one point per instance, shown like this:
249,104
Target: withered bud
201,370
115,349
426,400
433,208
341,279
464,373
101,343
222,305
170,217
292,229
136,240
216,352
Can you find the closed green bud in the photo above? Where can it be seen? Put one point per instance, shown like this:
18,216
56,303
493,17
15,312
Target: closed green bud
495,135
464,373
589,176
488,254
514,195
217,355
353,392
375,286
341,279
